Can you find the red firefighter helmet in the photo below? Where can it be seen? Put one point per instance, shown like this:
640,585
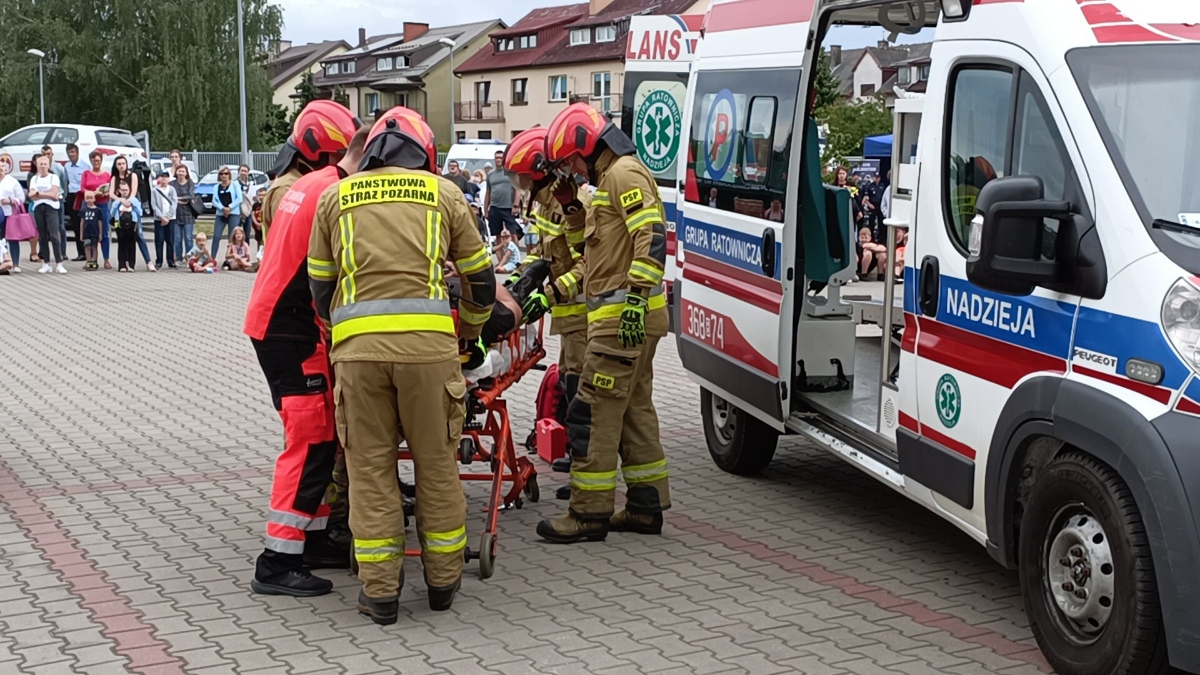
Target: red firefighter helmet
526,154
576,130
401,137
323,128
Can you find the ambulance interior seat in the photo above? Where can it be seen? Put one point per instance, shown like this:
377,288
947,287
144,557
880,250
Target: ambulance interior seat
827,233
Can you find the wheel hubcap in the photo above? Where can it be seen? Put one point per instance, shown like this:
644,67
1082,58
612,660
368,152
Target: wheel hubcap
1079,572
723,419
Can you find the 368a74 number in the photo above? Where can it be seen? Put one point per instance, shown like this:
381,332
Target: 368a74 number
706,326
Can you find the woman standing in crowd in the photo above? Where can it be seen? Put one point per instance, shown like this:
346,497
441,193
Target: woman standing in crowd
96,182
247,198
11,193
227,201
165,206
121,175
185,217
46,194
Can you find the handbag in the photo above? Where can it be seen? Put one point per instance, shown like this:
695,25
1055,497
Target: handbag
197,205
19,226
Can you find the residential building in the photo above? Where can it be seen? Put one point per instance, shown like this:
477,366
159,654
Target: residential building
409,68
291,63
880,70
552,57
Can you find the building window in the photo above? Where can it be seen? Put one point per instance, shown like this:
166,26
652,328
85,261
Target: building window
523,42
372,102
606,33
924,73
483,93
581,36
460,136
516,133
509,45
902,76
533,41
485,135
402,99
348,68
601,85
331,70
558,87
385,63
520,91
499,45
866,90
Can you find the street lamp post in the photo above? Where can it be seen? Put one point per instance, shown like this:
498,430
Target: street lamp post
450,43
242,85
41,55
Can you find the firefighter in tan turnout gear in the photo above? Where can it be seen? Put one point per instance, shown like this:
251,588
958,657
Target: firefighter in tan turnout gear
612,415
379,246
558,211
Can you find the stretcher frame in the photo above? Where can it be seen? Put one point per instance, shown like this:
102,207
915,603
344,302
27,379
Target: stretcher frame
487,419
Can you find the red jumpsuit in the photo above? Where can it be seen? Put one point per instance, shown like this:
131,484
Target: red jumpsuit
290,341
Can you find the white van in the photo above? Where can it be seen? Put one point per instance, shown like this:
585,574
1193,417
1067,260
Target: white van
658,56
473,155
1036,380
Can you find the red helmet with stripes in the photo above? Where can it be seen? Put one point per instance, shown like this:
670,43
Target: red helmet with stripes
576,130
401,137
526,154
323,128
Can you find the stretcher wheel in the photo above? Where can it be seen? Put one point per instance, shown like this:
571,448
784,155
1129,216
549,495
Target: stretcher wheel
487,555
532,491
466,451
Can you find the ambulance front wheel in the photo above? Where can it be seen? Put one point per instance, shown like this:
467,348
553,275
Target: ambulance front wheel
737,441
1086,573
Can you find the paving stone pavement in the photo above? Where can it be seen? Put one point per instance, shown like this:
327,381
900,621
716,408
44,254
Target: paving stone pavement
135,460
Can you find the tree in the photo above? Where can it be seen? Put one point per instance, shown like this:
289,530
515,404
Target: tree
277,126
849,123
169,67
828,89
306,92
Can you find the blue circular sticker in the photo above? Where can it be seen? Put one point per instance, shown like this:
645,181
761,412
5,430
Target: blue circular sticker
720,133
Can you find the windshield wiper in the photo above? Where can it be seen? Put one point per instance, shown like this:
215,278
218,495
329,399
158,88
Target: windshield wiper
1172,226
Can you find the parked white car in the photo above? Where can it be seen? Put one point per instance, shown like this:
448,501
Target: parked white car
473,154
24,143
157,166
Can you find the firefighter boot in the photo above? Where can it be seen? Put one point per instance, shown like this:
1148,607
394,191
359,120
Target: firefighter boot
441,598
563,492
562,464
323,552
382,611
641,523
569,529
285,574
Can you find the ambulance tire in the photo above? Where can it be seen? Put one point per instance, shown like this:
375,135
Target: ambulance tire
738,442
1081,510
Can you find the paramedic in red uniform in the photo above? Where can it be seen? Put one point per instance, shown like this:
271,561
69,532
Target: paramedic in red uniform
291,345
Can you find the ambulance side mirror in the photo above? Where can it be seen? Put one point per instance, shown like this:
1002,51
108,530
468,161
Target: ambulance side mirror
956,10
1006,240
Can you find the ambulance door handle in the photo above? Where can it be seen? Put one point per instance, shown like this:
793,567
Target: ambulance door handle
930,286
768,252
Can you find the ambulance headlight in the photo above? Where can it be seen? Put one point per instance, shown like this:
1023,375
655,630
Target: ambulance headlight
1181,321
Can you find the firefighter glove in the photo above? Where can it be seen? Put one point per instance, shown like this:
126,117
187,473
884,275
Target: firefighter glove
632,331
535,306
512,280
472,353
566,194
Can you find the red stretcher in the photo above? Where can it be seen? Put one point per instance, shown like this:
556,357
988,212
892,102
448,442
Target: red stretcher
487,438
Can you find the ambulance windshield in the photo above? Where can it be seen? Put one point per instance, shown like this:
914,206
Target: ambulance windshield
1145,99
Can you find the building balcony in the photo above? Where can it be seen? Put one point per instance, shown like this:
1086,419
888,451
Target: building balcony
472,111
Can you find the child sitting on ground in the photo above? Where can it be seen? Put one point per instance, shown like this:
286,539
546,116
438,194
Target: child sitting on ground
127,219
508,256
89,225
870,255
198,258
237,254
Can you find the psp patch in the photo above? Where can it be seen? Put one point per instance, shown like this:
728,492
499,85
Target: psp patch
602,381
632,201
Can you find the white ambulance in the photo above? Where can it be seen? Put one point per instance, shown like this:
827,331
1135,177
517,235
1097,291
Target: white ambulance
657,59
1037,380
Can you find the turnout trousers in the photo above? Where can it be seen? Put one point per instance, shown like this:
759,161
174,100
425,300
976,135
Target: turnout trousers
613,417
571,349
374,401
304,488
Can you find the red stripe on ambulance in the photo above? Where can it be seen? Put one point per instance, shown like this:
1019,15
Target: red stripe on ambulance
754,289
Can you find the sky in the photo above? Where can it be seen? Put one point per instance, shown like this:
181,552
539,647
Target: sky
311,20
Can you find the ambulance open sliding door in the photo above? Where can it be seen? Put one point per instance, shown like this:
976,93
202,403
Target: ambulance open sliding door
975,346
733,237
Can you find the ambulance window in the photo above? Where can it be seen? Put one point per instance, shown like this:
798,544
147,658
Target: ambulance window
980,102
756,149
1039,151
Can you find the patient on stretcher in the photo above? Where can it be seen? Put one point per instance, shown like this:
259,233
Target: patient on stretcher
506,318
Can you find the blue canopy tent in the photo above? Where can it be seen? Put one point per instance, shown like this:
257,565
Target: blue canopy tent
878,146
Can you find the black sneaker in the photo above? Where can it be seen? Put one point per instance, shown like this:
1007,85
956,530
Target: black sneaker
440,599
382,611
297,583
78,258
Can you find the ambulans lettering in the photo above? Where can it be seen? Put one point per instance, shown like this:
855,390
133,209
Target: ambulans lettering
380,189
1007,316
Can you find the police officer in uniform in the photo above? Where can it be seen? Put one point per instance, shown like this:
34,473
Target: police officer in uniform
291,346
302,152
612,415
558,210
379,246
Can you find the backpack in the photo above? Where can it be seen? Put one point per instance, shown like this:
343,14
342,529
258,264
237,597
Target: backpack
551,403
